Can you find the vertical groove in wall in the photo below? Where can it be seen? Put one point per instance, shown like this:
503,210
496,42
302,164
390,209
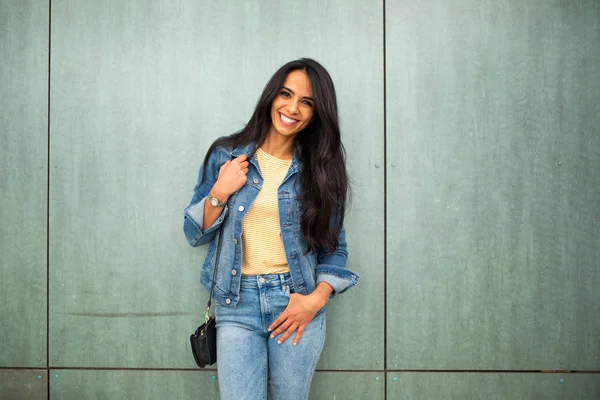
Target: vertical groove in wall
48,208
385,366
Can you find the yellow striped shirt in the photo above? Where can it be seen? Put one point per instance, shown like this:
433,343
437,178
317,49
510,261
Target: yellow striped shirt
262,246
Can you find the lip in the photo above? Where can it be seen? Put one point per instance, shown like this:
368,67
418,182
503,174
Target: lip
285,122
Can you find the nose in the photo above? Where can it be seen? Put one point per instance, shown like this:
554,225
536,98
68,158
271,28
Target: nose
293,106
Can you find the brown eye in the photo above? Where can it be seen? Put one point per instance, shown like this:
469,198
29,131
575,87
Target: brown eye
285,94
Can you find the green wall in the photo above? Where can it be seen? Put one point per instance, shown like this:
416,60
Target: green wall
473,142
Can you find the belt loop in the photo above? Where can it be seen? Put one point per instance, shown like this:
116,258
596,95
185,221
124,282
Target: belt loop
282,280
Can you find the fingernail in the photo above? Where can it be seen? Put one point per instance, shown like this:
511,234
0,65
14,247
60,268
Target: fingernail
295,343
279,342
272,336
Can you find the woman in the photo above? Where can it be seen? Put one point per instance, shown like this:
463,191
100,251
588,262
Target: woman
279,189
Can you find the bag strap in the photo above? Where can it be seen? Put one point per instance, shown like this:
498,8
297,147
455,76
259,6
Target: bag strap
212,287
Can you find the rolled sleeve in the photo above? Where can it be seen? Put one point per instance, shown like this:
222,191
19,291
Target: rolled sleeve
194,213
192,225
332,269
340,279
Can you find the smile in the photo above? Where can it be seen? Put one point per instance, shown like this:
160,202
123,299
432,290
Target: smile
287,121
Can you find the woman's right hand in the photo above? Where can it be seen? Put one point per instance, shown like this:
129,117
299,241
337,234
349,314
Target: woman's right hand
232,176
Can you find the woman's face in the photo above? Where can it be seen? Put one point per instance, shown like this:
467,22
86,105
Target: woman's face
293,108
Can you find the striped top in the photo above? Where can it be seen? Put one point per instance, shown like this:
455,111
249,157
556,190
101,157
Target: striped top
262,246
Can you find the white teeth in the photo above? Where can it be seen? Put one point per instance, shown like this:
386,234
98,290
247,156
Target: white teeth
286,119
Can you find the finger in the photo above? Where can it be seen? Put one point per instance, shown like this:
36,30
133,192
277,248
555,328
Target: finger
285,325
287,333
245,171
281,328
241,158
278,321
225,165
244,164
299,333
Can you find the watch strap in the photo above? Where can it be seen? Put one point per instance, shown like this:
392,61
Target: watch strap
219,204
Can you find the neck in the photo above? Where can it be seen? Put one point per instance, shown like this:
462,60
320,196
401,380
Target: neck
279,146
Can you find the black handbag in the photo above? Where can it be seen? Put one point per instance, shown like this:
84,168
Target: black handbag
204,340
204,343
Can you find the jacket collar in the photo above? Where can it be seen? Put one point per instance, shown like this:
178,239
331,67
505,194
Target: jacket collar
249,148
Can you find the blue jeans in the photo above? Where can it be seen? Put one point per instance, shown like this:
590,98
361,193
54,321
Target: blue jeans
253,366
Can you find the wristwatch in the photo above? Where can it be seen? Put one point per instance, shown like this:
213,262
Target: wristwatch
214,201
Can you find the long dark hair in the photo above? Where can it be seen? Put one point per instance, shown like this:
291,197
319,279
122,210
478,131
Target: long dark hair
323,178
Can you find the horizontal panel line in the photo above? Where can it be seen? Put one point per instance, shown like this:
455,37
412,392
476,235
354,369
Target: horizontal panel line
381,371
23,368
497,371
128,314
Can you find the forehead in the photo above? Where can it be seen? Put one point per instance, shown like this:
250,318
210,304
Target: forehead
298,81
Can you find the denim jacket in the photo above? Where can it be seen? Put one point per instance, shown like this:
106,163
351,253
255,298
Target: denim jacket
306,269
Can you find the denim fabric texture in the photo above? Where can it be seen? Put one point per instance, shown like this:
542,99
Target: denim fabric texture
251,365
306,269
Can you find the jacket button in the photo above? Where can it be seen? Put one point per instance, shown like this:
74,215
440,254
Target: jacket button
227,301
241,208
233,272
234,241
255,181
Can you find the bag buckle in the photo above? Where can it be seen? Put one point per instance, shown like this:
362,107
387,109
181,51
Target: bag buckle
206,317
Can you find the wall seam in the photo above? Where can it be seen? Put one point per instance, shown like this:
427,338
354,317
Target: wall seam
385,366
48,208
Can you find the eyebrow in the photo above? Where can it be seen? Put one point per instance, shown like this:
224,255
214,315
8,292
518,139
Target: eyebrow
292,92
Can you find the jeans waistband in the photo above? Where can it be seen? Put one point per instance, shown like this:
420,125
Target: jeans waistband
269,280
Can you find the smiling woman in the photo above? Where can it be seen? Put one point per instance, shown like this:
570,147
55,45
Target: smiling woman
276,192
292,109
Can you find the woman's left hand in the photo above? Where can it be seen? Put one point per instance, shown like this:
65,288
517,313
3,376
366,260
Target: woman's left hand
300,311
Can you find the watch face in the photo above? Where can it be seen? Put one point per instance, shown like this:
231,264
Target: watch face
214,202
